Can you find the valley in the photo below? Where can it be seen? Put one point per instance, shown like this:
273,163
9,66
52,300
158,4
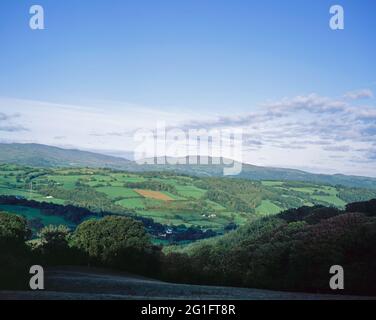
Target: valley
170,202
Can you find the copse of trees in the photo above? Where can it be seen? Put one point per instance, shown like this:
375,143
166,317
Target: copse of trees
114,242
152,185
53,247
13,228
118,242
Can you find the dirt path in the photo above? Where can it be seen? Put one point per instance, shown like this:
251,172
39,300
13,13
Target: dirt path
84,283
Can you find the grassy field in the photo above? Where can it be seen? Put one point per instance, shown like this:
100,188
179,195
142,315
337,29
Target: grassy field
272,183
333,199
156,195
190,191
204,202
132,203
67,182
31,213
324,194
268,208
114,192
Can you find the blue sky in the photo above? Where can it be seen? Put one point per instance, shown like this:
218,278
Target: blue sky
189,61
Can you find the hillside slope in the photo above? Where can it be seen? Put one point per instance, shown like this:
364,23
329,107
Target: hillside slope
47,156
38,155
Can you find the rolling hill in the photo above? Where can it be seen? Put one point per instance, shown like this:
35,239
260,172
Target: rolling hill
37,155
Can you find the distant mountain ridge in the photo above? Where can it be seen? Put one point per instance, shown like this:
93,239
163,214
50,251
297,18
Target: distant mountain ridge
38,155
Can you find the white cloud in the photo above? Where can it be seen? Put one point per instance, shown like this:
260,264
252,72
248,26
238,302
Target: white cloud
311,131
80,126
359,94
307,131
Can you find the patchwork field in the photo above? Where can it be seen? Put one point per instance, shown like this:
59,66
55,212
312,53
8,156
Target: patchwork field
168,198
154,195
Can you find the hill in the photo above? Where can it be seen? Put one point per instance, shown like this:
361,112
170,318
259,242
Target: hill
174,207
37,155
252,172
291,251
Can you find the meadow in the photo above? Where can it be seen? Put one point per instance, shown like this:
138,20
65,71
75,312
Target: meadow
35,216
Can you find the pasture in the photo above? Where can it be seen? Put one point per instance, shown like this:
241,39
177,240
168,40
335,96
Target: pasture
31,214
154,195
168,198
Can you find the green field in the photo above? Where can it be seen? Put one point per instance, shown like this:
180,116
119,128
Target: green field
67,182
267,208
204,202
272,183
31,213
332,199
190,191
132,203
114,192
28,195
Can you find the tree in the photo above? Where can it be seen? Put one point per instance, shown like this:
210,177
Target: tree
14,254
55,235
116,241
52,246
13,228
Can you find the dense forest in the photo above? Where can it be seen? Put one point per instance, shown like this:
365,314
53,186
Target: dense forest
289,251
